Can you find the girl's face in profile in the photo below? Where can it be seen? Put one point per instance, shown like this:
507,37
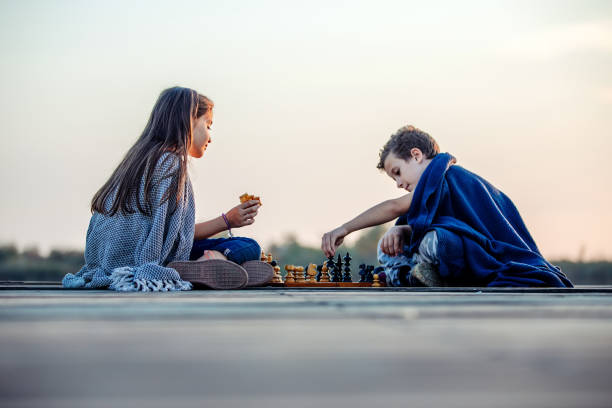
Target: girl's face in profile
201,135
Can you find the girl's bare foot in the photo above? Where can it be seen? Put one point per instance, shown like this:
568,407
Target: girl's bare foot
208,254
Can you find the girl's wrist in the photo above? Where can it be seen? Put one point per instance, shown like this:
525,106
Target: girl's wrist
227,224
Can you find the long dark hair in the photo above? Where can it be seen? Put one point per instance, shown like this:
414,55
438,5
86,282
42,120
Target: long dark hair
169,129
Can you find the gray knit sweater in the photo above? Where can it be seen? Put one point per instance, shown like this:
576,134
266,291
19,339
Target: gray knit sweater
130,252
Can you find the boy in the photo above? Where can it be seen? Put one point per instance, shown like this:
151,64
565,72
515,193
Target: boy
454,228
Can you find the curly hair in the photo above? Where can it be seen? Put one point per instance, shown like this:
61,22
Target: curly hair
405,139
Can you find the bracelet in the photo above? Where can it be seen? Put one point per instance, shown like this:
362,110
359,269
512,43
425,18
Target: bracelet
229,227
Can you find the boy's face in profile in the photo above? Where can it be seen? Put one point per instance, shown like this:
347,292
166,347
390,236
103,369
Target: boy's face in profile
406,173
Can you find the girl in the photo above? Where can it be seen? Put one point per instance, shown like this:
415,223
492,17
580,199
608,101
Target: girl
142,234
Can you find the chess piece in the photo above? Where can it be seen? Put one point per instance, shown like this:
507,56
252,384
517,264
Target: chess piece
369,276
262,257
289,277
319,273
330,263
331,268
299,274
311,273
294,272
375,281
347,269
269,258
362,273
324,272
338,269
277,278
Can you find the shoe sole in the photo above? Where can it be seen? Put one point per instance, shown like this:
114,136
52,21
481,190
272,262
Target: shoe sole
426,275
259,272
213,273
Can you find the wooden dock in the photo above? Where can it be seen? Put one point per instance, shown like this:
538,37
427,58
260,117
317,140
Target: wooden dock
302,347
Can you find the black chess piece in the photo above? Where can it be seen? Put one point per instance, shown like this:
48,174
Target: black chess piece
331,267
319,272
369,275
347,269
273,263
333,272
339,267
362,273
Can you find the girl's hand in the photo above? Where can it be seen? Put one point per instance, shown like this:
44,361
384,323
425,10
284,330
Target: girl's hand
243,214
332,240
392,242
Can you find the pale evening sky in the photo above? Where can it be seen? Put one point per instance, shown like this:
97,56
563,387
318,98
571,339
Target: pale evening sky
306,93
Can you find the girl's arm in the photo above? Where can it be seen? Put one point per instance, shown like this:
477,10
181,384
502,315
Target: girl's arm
379,214
239,216
209,228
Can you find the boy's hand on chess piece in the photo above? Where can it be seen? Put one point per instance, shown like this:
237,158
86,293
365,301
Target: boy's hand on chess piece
392,243
332,240
243,214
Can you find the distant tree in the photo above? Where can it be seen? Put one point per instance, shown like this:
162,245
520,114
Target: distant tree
8,252
292,252
70,257
31,253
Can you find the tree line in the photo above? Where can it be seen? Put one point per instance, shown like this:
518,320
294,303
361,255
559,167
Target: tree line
30,265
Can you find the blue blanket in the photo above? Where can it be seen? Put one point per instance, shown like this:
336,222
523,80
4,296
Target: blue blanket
483,240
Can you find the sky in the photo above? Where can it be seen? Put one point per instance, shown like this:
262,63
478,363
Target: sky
306,94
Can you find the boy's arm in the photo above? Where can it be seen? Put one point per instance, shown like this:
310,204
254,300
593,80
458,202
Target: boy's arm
379,214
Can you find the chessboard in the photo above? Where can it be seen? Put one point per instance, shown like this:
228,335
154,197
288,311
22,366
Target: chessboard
323,284
329,274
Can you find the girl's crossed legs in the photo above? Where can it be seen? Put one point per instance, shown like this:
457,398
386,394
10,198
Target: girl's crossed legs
235,249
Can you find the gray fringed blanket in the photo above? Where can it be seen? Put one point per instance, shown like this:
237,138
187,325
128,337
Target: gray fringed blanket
129,252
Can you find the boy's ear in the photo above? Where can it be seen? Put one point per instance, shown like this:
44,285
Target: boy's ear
416,154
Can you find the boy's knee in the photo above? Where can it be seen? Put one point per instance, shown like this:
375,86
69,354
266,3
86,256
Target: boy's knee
428,248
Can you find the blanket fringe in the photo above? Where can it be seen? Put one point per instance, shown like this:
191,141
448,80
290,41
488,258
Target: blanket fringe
123,281
72,281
